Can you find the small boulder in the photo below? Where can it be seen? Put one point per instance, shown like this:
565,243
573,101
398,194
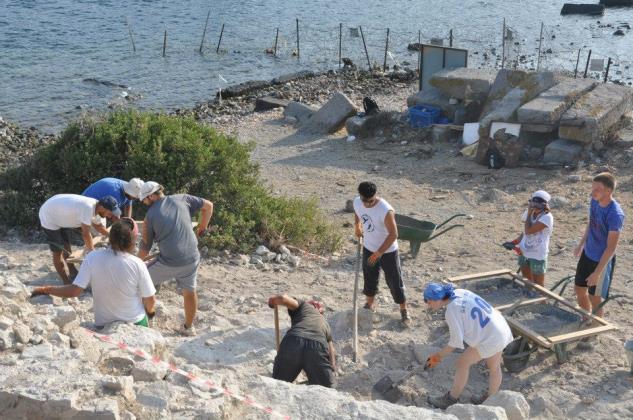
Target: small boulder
477,412
514,404
64,315
22,333
123,385
300,112
147,371
332,116
39,352
558,202
262,250
354,124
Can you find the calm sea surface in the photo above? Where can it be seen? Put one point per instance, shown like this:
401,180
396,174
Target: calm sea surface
59,56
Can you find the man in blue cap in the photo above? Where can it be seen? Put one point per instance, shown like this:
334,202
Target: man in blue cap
473,321
62,213
124,192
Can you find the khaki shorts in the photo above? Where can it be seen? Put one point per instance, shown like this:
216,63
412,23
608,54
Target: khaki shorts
186,276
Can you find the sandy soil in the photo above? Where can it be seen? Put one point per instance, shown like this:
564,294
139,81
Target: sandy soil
236,327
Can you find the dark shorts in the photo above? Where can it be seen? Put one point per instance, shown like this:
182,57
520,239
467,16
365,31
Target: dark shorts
296,354
586,267
390,264
58,239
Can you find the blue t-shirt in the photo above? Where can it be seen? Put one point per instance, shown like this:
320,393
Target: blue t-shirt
108,186
602,220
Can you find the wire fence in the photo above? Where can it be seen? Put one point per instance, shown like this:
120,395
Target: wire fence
324,47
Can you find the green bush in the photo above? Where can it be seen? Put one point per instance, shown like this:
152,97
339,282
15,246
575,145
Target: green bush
180,154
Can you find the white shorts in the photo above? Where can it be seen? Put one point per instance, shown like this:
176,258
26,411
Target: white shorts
495,344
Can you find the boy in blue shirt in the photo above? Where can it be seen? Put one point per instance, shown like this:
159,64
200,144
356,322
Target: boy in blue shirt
124,192
596,249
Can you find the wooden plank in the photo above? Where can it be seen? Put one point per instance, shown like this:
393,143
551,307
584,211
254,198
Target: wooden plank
577,335
480,275
531,334
560,299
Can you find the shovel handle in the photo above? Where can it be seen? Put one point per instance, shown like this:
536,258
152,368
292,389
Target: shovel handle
277,333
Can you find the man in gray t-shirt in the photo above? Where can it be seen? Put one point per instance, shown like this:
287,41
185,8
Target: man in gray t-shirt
168,222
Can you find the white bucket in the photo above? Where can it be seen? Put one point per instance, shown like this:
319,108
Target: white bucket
628,347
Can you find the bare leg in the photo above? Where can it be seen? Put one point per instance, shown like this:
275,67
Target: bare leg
495,376
595,301
370,301
465,361
403,305
583,298
539,279
526,272
191,306
72,271
60,266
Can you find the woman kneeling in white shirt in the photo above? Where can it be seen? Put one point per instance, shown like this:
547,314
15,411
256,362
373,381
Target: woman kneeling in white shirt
471,320
122,288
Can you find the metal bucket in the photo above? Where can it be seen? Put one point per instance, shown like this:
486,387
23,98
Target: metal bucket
628,347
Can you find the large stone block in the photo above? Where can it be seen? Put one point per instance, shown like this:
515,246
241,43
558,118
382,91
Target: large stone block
548,108
301,112
514,403
136,336
332,116
562,151
477,412
267,103
591,117
464,83
510,90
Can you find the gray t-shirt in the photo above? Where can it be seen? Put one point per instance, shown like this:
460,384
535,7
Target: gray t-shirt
169,224
308,323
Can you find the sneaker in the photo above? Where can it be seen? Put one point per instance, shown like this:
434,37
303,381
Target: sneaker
478,400
442,402
188,332
404,317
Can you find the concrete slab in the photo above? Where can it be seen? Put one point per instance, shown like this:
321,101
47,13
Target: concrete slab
562,151
590,118
464,83
267,103
301,112
332,116
547,109
512,89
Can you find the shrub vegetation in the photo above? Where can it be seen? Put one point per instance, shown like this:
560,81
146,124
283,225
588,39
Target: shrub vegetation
182,155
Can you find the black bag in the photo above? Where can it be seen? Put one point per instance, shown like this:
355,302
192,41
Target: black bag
494,158
371,107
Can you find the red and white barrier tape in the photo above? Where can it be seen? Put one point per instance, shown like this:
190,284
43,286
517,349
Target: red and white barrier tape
200,382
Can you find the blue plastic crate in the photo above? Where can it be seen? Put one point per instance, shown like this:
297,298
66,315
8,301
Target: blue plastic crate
423,115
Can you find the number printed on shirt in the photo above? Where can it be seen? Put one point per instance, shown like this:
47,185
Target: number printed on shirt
476,313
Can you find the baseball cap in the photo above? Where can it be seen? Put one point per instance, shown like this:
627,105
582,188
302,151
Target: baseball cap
148,188
543,195
109,203
133,187
437,291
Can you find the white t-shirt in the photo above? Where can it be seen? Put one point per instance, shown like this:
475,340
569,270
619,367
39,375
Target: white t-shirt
119,281
69,211
536,245
472,320
373,219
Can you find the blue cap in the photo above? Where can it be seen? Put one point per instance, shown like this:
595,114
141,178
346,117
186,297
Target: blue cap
109,203
437,291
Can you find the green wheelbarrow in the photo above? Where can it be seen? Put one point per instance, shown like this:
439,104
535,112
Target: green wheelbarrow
420,231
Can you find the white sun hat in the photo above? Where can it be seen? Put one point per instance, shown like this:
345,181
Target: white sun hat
148,188
133,187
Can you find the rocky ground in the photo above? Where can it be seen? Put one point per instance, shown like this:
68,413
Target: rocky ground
50,364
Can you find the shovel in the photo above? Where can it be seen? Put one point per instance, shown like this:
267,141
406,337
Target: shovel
388,388
355,326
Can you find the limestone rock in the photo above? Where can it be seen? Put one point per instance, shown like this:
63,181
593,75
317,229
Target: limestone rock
464,83
514,404
22,333
262,250
64,315
510,90
591,117
477,412
7,339
146,371
332,116
39,352
136,336
267,103
563,151
547,109
301,112
123,385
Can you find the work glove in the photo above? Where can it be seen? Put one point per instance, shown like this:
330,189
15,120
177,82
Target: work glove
508,245
432,361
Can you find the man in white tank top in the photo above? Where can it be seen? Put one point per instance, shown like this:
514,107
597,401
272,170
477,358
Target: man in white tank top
375,221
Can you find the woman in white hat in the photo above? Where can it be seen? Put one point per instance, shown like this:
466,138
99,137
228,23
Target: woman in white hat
533,244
